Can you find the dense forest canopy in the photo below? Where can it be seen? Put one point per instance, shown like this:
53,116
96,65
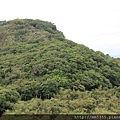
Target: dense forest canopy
40,68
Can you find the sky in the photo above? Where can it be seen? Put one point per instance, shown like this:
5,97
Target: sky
94,23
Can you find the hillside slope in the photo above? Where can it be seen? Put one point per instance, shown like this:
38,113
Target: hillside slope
36,61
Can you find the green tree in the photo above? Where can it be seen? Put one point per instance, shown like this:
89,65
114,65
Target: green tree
8,98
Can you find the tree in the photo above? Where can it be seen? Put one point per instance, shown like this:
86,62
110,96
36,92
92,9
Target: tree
7,99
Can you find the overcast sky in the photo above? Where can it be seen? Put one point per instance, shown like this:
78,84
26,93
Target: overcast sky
94,23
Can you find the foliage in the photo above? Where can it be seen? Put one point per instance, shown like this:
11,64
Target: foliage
7,99
37,60
71,102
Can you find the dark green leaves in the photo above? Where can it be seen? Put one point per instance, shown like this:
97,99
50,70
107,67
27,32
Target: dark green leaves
8,98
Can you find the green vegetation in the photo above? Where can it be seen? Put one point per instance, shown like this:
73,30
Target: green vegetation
43,72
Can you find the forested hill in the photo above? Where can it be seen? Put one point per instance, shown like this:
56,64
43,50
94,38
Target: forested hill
36,61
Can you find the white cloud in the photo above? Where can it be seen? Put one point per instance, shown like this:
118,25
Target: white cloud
95,23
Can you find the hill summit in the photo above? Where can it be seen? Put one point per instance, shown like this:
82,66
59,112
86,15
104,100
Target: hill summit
36,60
